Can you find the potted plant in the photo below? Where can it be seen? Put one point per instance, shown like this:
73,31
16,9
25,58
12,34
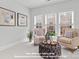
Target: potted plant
52,35
30,36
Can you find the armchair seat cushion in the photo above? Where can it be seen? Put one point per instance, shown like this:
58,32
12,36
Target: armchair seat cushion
40,36
65,40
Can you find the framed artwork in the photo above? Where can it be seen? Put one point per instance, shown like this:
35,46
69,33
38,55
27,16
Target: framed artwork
21,19
7,17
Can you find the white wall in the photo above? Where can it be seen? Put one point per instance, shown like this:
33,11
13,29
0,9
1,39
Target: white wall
72,5
10,34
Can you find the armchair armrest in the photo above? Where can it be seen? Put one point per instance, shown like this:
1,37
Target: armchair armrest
75,41
65,40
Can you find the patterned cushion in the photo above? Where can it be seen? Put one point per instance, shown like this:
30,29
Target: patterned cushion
40,32
68,34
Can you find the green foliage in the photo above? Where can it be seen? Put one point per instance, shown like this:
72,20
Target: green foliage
30,36
52,34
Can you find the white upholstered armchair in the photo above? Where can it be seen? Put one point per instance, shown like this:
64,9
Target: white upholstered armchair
39,35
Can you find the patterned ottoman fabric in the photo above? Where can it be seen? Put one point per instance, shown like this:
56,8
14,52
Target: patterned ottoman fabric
50,51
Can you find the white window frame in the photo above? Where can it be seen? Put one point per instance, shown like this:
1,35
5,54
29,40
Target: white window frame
71,20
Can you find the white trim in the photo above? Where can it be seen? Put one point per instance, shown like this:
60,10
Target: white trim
56,30
34,20
45,19
72,19
59,30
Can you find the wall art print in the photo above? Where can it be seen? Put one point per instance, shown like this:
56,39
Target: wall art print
7,17
21,19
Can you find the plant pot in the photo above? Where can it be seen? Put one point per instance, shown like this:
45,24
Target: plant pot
54,38
30,40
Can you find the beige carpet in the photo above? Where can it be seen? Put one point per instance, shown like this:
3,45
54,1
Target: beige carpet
20,51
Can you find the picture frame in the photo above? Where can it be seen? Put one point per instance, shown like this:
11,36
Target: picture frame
21,20
7,17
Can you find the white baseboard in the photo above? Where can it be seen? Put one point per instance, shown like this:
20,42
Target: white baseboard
6,46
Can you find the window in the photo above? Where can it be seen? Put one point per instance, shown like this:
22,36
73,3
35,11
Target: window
39,20
66,21
52,23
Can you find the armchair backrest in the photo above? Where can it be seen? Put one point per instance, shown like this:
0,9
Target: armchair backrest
39,31
71,33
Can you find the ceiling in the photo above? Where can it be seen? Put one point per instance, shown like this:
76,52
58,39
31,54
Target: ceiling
37,3
34,3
